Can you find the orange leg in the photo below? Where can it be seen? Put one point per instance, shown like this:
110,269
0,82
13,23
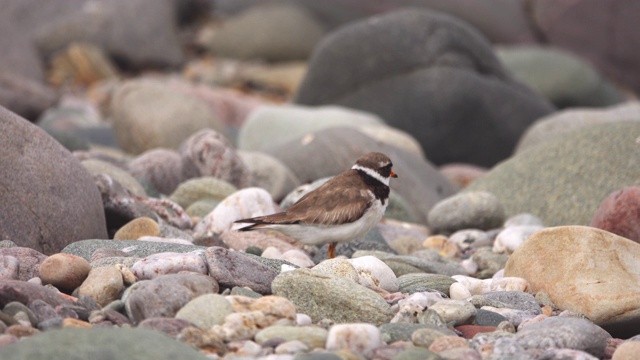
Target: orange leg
332,250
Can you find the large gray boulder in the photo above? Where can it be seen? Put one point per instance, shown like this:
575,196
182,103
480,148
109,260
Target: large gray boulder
48,198
428,74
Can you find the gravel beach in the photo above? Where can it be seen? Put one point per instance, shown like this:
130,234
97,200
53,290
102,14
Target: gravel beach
136,132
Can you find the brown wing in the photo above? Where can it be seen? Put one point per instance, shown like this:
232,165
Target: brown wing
341,199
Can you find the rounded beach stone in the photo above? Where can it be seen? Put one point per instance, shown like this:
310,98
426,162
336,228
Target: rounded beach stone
628,350
201,188
270,173
447,343
208,153
470,210
416,282
169,263
564,332
161,168
232,268
64,271
123,177
137,228
516,300
271,32
532,180
339,267
459,312
165,295
619,213
46,206
103,284
205,311
118,343
325,296
170,326
605,289
509,239
311,336
242,204
359,338
145,113
375,268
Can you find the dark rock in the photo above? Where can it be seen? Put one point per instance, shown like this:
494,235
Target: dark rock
169,326
42,310
232,268
47,206
482,107
488,318
24,96
165,295
24,292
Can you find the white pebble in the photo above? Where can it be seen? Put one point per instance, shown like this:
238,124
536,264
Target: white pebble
359,338
509,239
166,240
423,299
479,287
469,266
378,270
168,263
457,311
458,291
303,319
470,238
298,258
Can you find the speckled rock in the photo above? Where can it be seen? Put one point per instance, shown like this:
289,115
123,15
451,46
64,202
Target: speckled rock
606,291
429,262
103,284
312,336
29,261
43,219
416,282
516,300
64,271
201,188
156,265
110,343
144,114
459,312
209,153
205,310
231,268
476,210
569,333
136,228
139,249
159,168
392,332
558,192
165,295
242,204
327,296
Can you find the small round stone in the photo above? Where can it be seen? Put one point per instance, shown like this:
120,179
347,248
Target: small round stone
64,271
103,284
136,228
457,311
205,311
447,343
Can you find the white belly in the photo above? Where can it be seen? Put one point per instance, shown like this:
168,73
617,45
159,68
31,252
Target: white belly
317,234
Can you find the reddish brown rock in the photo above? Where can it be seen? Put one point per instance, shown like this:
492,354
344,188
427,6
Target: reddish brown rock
28,259
24,292
64,271
619,213
469,331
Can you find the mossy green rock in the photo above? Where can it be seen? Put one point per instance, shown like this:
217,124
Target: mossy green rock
563,181
81,344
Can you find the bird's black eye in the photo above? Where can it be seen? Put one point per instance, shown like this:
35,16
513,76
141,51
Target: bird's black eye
385,170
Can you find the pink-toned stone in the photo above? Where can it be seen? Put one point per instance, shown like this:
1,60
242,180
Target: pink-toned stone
469,331
24,292
64,271
28,259
448,342
619,213
462,175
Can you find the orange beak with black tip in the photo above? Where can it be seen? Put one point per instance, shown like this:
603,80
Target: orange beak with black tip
393,174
